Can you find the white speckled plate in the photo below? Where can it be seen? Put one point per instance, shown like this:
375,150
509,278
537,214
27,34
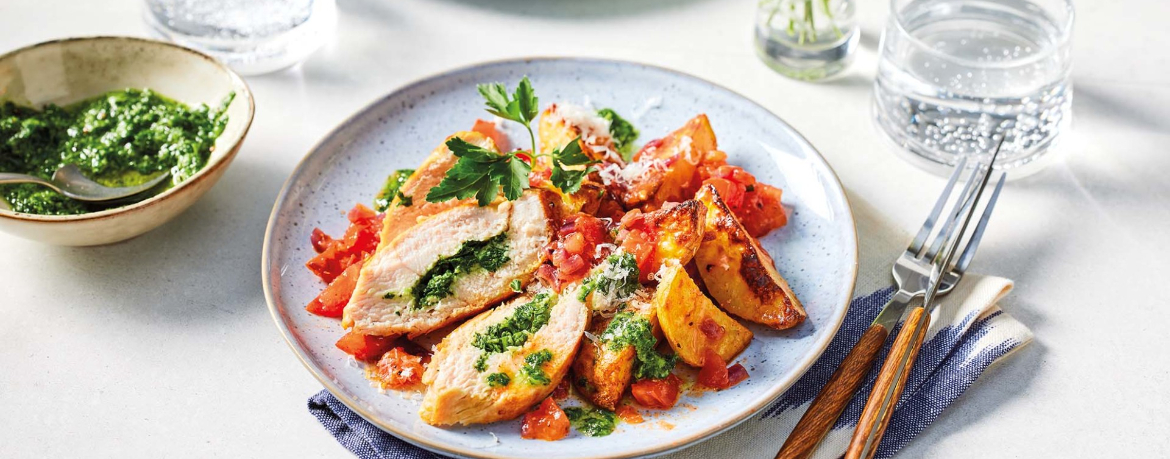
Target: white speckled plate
816,251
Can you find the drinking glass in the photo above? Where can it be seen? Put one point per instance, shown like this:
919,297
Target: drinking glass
956,76
806,39
251,36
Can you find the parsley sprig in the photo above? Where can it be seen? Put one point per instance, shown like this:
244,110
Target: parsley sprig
485,173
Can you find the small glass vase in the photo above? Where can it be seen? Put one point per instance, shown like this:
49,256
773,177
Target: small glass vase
806,39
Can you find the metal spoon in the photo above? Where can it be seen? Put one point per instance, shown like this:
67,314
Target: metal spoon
69,181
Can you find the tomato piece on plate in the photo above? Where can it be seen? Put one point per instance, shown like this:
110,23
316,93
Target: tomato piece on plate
629,414
736,374
547,422
334,256
761,212
331,302
488,128
398,369
657,393
367,348
714,371
320,240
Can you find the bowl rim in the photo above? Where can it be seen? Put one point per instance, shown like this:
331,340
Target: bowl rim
207,170
275,305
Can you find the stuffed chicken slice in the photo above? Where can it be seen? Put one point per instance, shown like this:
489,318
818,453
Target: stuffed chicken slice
449,266
499,364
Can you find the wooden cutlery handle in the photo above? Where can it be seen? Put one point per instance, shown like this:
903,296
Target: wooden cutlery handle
831,401
891,380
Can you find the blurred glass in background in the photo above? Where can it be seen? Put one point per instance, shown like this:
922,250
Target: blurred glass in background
251,36
956,76
806,39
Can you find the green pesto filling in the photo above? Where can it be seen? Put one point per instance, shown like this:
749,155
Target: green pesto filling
514,330
621,131
629,329
532,370
435,284
392,189
498,379
592,422
623,286
121,138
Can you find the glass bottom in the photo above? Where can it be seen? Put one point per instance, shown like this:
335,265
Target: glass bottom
943,164
806,63
264,49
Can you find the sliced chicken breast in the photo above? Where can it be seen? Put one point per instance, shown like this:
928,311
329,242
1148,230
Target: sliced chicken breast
450,266
401,217
497,365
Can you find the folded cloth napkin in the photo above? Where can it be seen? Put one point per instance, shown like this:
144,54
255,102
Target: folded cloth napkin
968,333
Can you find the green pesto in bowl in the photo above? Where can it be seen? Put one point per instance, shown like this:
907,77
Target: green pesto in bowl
121,138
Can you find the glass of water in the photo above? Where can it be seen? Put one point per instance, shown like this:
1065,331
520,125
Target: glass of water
251,36
956,76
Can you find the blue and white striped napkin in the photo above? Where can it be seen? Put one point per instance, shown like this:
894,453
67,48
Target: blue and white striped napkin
968,333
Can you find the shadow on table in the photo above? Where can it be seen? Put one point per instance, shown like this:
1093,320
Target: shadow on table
202,266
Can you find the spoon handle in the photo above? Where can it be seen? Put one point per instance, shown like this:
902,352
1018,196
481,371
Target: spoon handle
8,177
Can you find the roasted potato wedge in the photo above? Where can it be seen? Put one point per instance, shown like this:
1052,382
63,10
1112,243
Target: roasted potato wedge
401,217
675,232
601,373
691,323
561,123
739,274
664,170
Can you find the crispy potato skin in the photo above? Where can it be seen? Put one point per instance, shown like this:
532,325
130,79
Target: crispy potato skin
602,374
680,231
739,274
684,314
430,173
667,167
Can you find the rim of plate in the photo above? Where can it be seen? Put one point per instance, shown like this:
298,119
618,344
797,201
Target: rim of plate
212,163
744,413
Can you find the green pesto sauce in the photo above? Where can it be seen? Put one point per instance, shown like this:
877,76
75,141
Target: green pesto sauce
592,422
392,189
121,138
514,330
498,379
435,284
629,329
623,132
624,286
532,371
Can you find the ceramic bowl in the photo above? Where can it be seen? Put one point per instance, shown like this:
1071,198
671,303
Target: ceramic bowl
66,71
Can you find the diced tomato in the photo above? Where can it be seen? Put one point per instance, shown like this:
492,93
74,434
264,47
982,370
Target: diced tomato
488,128
717,375
714,371
320,240
762,211
331,302
367,348
575,250
736,374
398,369
540,178
756,205
629,414
640,240
711,329
657,393
547,422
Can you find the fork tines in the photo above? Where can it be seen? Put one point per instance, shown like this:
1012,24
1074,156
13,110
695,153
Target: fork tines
942,250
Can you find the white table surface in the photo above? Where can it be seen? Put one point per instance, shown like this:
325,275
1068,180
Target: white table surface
163,346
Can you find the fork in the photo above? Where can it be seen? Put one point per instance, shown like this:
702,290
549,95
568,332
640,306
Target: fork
911,272
891,380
